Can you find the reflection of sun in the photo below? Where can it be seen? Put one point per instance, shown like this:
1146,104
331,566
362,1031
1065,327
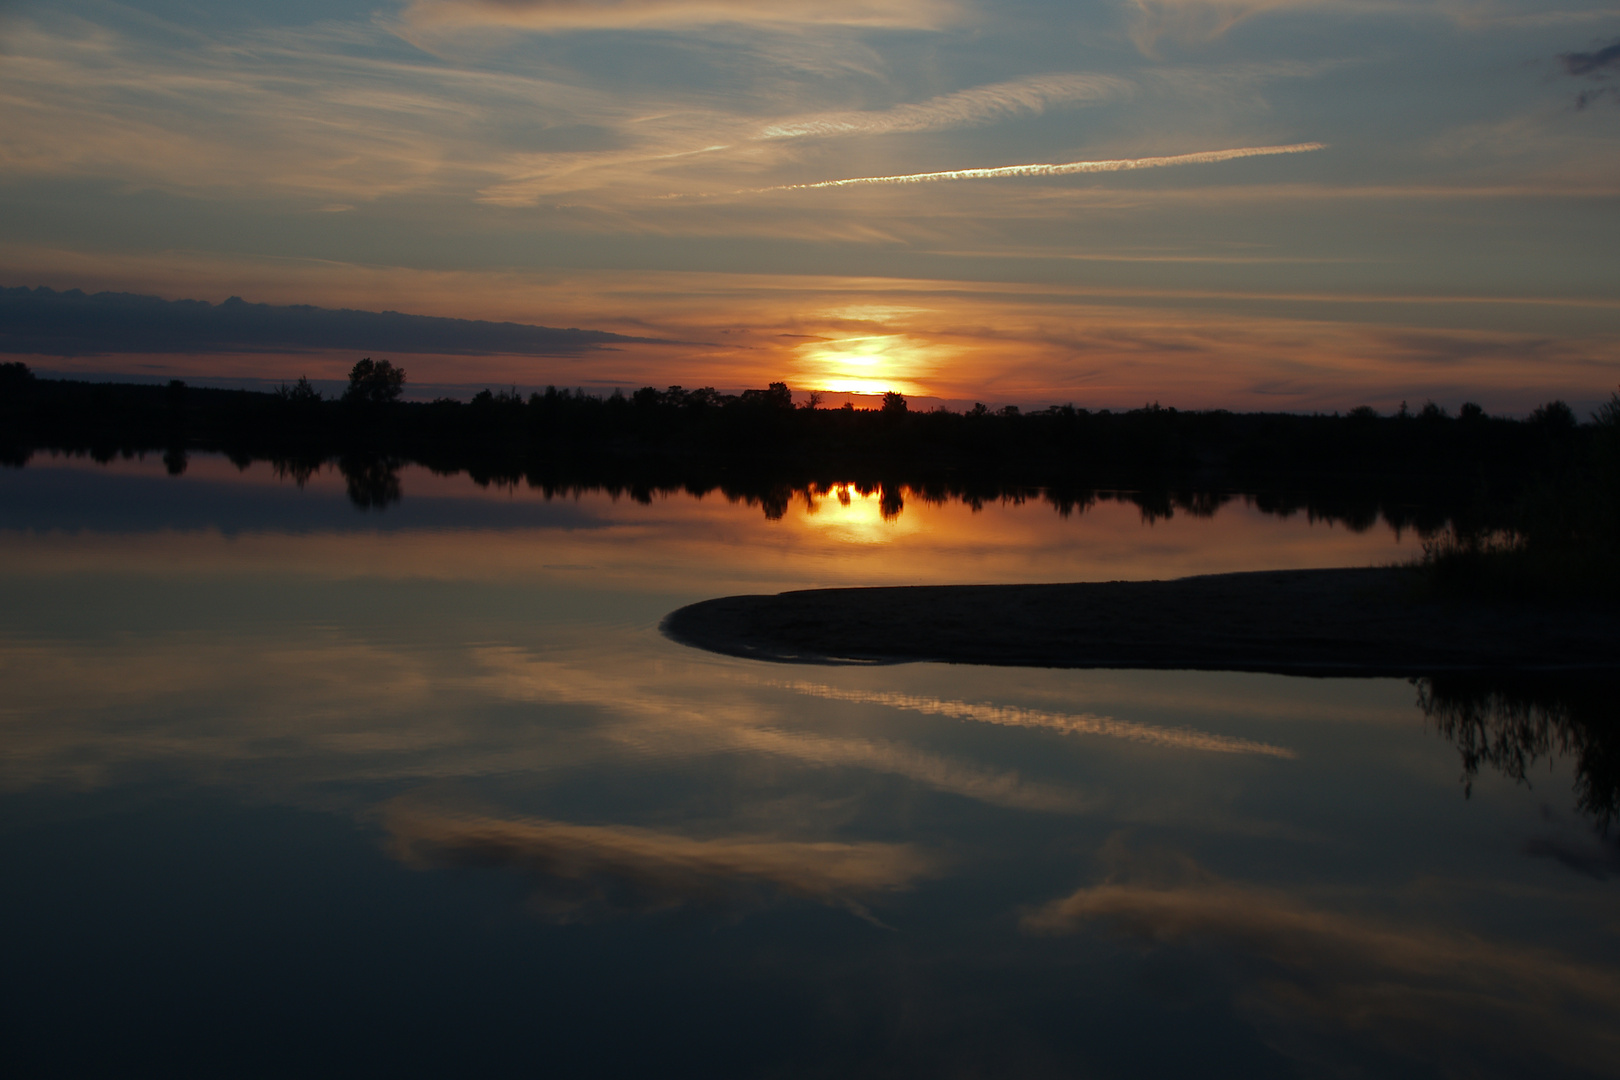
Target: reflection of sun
846,515
865,365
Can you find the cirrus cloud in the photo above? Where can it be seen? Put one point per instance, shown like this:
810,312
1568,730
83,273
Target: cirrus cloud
561,16
978,105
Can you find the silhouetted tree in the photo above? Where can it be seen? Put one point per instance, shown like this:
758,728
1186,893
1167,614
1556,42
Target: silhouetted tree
1608,414
776,396
303,391
1555,416
894,403
15,378
374,383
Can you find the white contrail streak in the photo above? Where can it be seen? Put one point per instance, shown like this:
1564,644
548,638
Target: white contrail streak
1206,157
1067,723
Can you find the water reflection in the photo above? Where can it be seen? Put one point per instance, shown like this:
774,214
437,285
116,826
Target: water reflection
374,482
1307,974
1511,722
591,871
428,787
73,516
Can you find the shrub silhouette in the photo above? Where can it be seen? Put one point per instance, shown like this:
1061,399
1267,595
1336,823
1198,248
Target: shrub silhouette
303,392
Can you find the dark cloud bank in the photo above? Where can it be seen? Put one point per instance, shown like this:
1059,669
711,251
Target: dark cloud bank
49,323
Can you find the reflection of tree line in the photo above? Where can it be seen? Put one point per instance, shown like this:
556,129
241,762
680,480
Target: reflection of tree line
373,483
1421,469
1526,508
1511,722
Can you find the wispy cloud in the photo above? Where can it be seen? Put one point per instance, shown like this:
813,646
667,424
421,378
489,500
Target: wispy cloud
1597,65
566,15
1207,157
1599,61
978,105
1190,23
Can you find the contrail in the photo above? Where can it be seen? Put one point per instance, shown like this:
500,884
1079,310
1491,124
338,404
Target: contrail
1206,157
1067,723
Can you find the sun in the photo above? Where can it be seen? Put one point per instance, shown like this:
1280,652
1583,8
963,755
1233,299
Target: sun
864,365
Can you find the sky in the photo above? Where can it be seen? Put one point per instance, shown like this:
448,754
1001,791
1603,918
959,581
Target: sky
1291,205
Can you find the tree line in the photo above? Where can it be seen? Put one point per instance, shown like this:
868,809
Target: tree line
1483,486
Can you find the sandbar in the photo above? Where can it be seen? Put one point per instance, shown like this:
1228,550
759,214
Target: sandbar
1340,622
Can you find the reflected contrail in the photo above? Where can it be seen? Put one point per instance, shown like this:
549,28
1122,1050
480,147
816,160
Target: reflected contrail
1120,165
1067,723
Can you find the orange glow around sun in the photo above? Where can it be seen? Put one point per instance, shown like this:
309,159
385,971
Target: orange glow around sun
864,365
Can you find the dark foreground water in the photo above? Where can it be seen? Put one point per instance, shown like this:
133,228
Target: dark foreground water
290,789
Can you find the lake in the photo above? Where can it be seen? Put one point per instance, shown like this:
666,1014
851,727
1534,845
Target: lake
293,786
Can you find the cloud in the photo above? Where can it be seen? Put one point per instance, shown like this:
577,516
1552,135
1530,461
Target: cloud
45,322
586,871
553,16
1190,23
1207,157
332,113
1599,63
706,720
1310,977
979,105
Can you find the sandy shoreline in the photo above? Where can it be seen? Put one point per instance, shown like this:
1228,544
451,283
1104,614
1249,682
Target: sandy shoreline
1359,622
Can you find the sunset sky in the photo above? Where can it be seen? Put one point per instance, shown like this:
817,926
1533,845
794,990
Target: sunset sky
1258,204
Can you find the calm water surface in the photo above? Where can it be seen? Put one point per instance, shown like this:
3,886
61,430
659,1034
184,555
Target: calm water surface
295,789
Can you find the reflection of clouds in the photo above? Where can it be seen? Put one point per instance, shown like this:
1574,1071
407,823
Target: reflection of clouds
1067,723
280,711
1311,977
656,715
289,714
585,870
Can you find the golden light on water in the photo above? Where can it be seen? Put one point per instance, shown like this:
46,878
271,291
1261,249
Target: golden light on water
849,516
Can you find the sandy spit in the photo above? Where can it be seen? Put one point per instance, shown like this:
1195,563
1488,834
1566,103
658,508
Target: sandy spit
1357,622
